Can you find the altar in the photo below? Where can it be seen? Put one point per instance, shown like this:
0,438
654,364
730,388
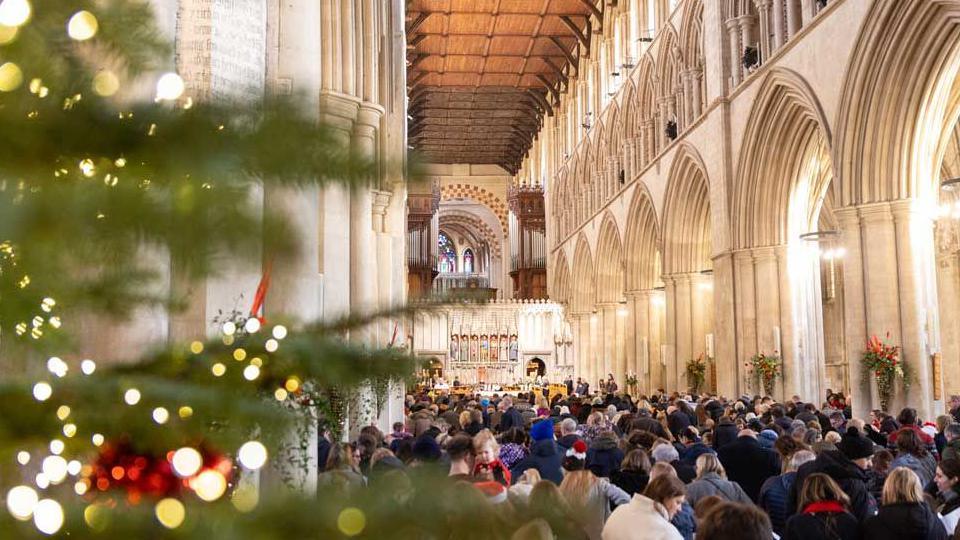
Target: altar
495,342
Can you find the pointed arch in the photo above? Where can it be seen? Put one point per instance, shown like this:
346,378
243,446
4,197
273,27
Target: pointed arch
628,124
668,61
686,215
610,270
583,292
900,96
642,242
560,292
780,182
691,35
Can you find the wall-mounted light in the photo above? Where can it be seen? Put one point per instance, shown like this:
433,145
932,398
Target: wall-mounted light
628,62
622,310
950,209
827,240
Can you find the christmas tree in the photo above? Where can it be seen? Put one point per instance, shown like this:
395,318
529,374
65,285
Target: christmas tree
90,177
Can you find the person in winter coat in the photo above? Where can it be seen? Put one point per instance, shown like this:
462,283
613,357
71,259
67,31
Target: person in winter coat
568,434
952,449
590,498
724,433
823,513
749,464
712,480
544,455
604,455
634,473
511,416
903,514
647,516
667,453
775,492
693,446
908,421
948,494
848,467
912,454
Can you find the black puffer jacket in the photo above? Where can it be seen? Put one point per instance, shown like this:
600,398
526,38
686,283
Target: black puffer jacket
904,521
604,456
632,482
852,479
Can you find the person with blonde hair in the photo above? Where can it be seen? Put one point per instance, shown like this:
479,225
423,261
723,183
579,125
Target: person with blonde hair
903,514
712,480
487,458
342,471
589,497
547,503
823,513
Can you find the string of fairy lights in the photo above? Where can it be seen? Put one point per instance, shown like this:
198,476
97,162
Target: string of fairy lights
54,466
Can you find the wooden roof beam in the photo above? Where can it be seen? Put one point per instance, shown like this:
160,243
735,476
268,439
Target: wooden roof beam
592,6
541,100
581,37
567,54
418,22
549,85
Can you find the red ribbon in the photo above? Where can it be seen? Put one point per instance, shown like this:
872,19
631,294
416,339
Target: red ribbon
256,310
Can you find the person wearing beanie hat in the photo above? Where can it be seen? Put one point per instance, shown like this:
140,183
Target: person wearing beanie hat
541,430
576,457
545,455
426,449
848,466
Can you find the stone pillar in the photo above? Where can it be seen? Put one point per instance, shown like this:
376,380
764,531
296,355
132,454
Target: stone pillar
745,302
672,339
594,364
607,337
919,312
766,46
736,66
807,11
725,327
898,298
948,287
696,97
779,24
794,19
855,322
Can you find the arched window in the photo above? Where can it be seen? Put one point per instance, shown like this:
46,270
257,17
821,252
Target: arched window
468,261
447,255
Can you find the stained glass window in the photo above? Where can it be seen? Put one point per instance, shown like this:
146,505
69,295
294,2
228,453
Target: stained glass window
447,255
468,261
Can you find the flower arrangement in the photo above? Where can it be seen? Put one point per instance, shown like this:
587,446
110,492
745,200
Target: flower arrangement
632,382
882,361
696,372
766,369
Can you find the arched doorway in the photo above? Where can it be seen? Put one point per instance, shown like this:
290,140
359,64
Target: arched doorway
536,368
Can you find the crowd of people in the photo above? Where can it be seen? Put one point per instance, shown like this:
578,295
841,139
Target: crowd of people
670,467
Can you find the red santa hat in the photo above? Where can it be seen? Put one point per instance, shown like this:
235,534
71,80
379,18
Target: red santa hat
495,492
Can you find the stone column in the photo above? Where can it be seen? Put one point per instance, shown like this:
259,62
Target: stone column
919,312
736,66
855,322
672,339
607,336
948,287
794,19
766,46
725,327
696,97
807,11
778,21
745,302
